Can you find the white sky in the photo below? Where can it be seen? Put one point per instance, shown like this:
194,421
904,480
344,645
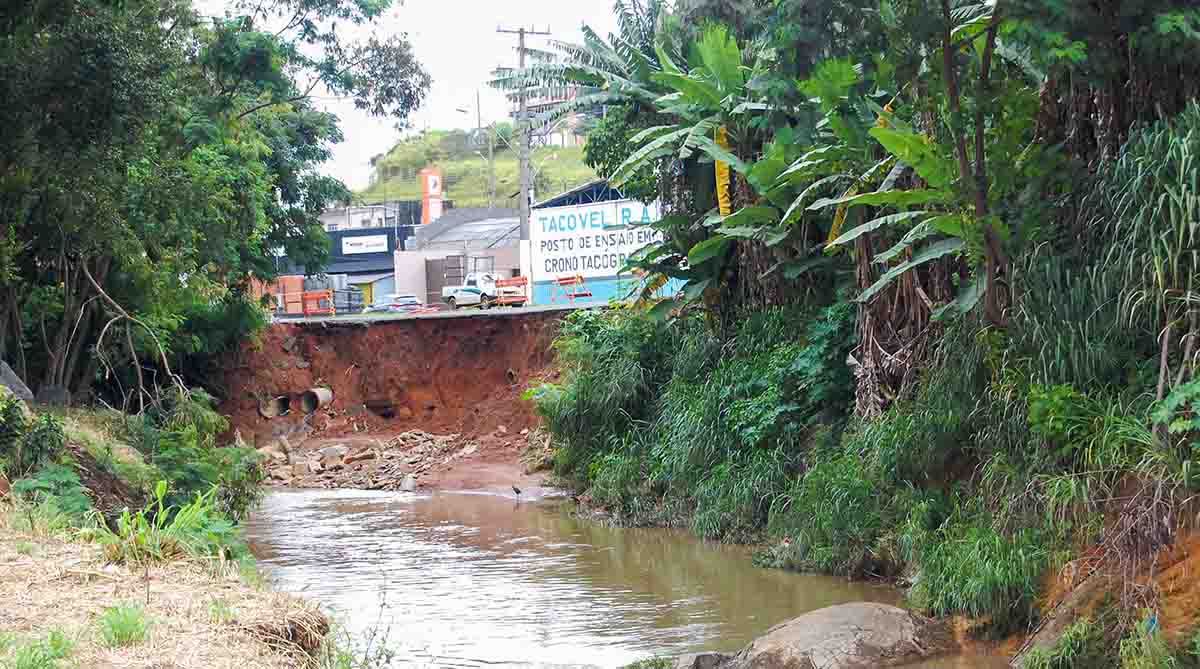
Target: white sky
457,42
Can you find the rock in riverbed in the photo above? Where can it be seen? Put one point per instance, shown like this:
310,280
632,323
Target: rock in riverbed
849,636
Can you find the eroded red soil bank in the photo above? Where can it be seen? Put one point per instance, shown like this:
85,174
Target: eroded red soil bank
460,375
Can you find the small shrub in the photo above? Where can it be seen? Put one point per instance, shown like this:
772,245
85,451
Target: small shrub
969,568
24,548
43,440
59,485
1145,647
220,612
159,532
1081,645
182,444
13,424
44,517
833,518
123,625
733,501
1179,412
41,654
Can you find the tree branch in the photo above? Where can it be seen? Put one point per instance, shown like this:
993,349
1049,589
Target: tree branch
122,314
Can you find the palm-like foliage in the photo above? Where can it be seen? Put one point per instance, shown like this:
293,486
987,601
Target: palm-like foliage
616,70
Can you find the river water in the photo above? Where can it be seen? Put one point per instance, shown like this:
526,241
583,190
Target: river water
480,580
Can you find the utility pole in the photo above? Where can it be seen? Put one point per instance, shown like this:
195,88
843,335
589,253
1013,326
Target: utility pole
523,129
491,151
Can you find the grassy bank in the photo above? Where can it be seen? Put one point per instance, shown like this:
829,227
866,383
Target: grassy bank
120,546
989,491
68,604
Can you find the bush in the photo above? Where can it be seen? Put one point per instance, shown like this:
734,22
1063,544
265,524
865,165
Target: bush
971,569
12,428
181,443
123,625
58,486
41,654
615,362
1081,645
160,532
1145,647
656,418
26,444
833,518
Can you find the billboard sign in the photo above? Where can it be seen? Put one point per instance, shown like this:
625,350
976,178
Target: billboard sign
365,244
589,240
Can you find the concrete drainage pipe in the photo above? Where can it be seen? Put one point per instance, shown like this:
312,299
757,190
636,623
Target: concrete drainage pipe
274,407
315,398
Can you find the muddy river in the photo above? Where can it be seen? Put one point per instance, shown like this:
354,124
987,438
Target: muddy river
474,580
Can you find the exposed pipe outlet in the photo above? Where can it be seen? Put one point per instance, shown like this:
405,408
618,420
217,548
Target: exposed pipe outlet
274,407
315,398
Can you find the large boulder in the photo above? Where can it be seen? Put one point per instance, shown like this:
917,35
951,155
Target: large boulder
701,661
849,636
10,380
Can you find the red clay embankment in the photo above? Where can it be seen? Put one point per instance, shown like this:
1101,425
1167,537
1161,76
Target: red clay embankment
459,376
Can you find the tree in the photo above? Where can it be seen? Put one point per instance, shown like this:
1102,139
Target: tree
156,161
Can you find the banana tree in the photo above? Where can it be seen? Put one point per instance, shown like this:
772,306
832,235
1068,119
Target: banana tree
952,212
771,217
616,70
715,118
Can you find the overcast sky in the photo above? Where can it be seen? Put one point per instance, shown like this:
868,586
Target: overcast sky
457,42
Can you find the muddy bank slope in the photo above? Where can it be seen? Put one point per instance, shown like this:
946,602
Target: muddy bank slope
444,376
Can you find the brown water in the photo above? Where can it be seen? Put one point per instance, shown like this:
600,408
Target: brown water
472,580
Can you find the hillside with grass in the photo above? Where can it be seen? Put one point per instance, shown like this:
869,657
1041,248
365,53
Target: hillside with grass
465,167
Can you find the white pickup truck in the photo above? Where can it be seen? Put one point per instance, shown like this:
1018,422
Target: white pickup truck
479,288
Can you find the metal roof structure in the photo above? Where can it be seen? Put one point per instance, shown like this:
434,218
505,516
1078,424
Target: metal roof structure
471,230
589,193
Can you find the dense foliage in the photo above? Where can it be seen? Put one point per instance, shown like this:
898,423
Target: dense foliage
940,315
153,163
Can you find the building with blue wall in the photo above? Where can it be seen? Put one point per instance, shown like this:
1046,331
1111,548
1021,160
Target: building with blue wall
589,233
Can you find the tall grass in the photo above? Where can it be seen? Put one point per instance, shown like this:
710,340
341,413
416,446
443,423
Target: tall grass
160,533
124,625
38,654
658,420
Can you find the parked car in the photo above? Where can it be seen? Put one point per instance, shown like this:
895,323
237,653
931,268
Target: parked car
396,304
480,288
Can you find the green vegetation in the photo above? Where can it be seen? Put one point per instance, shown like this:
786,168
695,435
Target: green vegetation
39,654
658,410
153,160
124,625
467,179
220,612
928,330
187,532
159,533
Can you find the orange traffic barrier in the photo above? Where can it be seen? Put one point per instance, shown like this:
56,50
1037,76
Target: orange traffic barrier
571,288
515,282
